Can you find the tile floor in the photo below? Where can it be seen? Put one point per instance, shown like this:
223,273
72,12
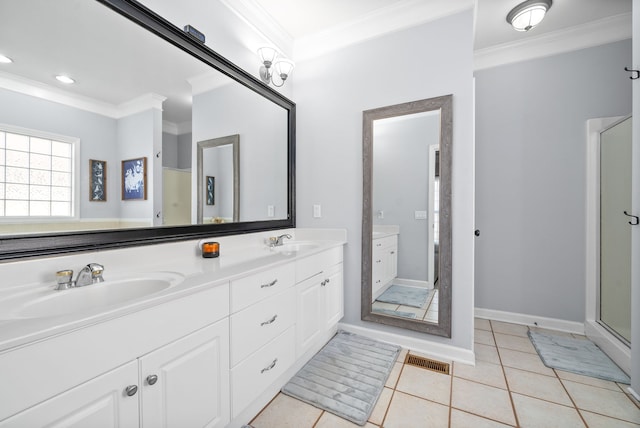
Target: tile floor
428,312
509,386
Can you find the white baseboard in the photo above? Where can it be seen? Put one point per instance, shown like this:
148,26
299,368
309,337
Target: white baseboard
531,320
413,283
435,350
633,393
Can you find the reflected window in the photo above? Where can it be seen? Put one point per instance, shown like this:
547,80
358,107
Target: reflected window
36,174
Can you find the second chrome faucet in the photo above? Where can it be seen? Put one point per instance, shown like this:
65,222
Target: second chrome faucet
90,274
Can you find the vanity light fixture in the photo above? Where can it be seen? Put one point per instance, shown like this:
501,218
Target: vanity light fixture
273,64
5,59
65,79
528,14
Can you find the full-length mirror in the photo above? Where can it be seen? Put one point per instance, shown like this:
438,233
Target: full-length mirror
136,106
406,229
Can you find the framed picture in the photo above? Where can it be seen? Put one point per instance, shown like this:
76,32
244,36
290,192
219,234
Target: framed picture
134,179
97,180
210,190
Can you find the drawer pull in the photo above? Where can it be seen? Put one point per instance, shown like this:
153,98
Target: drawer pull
131,390
270,284
393,252
152,379
323,283
262,324
272,365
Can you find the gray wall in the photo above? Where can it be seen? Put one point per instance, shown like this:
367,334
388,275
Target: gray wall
331,93
530,176
169,150
262,126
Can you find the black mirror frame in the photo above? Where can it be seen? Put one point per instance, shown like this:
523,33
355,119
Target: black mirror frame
17,247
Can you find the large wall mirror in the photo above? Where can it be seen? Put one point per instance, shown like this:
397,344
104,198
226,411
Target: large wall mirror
406,224
145,94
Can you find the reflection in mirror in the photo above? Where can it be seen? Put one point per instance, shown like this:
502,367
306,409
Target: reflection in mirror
219,180
406,223
135,96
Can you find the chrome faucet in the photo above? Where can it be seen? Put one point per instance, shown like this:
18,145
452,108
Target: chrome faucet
90,274
277,241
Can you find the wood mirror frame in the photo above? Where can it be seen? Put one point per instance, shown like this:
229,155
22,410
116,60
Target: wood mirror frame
444,105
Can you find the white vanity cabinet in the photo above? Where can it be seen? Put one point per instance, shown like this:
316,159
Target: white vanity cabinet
101,402
384,264
319,294
102,375
262,332
181,384
185,383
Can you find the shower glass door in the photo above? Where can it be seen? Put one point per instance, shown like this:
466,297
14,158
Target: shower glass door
615,230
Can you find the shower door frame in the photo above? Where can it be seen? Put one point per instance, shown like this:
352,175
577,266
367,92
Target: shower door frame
607,340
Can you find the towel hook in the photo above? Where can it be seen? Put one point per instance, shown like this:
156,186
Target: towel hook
636,74
635,220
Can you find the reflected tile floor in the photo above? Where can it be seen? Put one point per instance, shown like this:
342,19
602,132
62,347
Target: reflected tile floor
508,387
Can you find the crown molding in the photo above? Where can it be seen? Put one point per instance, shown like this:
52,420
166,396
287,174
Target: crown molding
26,86
36,89
176,128
140,104
256,17
398,16
596,33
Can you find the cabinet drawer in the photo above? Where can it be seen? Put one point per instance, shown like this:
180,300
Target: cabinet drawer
387,241
251,377
253,288
256,325
313,265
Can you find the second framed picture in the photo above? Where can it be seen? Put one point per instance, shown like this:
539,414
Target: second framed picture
97,180
134,179
210,190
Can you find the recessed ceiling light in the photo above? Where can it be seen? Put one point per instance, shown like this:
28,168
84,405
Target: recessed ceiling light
65,79
5,59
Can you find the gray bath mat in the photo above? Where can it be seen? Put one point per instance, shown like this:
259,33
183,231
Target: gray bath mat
405,295
346,377
580,356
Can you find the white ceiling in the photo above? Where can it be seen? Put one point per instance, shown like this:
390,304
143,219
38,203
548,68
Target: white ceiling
303,19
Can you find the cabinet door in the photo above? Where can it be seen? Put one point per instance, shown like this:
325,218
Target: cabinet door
102,402
310,318
333,296
186,383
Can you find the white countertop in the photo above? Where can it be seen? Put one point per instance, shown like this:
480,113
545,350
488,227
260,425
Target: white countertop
199,274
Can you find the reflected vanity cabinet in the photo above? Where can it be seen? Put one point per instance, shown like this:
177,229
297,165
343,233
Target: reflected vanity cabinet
183,383
384,264
319,295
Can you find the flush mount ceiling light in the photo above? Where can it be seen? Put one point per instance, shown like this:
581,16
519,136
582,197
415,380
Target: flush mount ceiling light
273,64
528,14
65,79
5,59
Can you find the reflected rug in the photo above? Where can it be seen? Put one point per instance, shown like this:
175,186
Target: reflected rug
406,295
346,377
580,356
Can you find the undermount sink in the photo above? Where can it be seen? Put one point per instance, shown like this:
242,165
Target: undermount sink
294,246
49,302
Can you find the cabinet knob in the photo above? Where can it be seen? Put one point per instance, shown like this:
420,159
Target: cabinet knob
152,379
131,390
